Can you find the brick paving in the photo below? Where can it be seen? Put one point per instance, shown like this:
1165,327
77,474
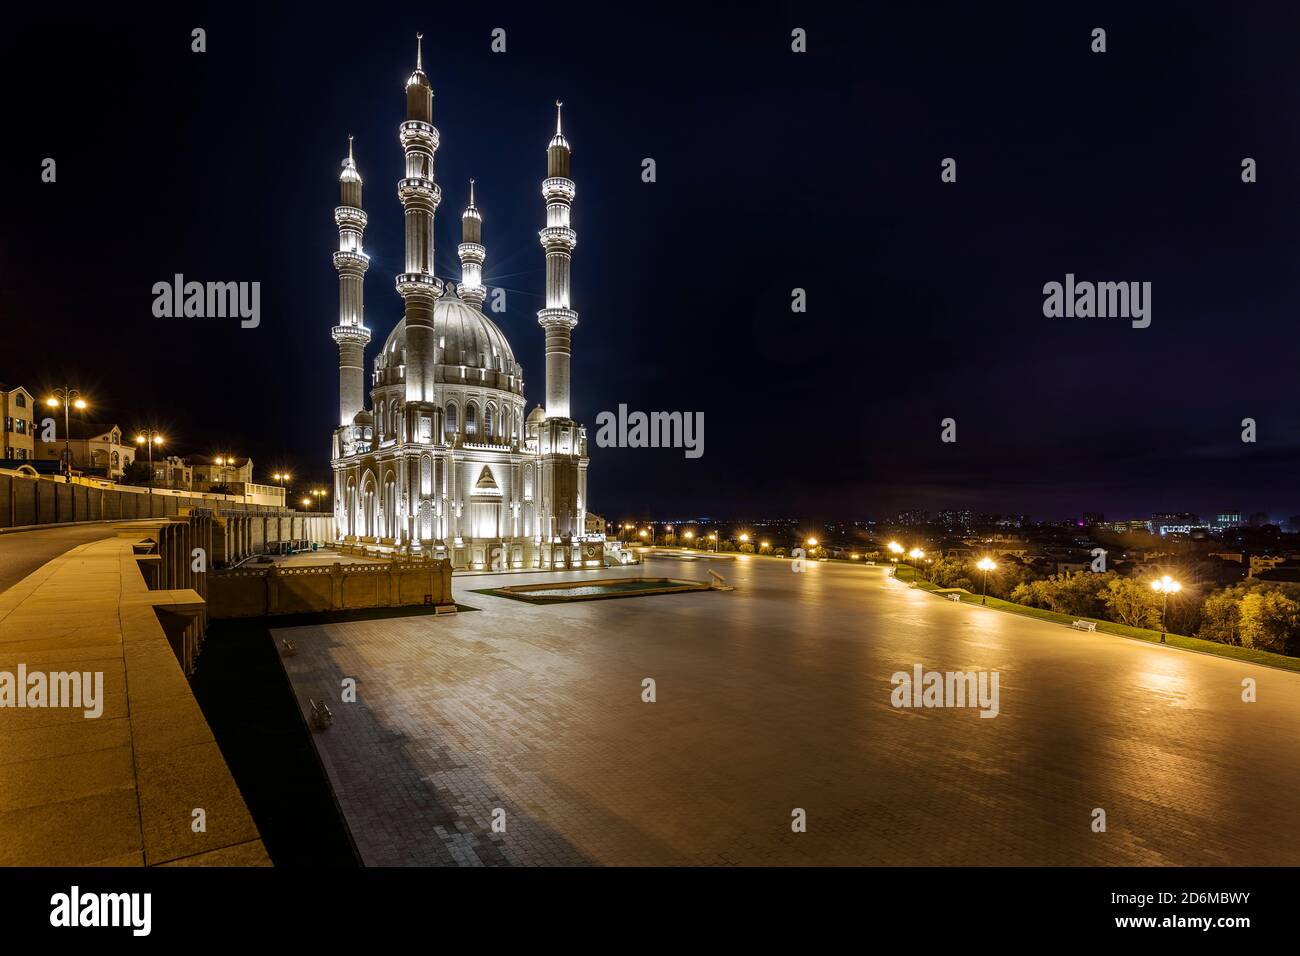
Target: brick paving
776,696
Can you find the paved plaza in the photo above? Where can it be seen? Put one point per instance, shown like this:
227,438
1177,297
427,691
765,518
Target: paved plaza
776,696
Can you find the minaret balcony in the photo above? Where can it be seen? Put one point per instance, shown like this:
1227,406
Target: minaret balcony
558,318
345,260
558,187
471,252
358,334
419,133
350,217
418,283
417,187
558,237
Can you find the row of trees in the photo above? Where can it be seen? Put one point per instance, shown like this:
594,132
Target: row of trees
1260,614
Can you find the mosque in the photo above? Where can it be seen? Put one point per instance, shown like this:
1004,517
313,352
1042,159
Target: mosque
447,460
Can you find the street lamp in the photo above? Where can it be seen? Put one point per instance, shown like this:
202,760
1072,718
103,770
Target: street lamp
916,554
225,463
149,437
69,398
896,549
764,544
986,565
1166,586
714,538
744,538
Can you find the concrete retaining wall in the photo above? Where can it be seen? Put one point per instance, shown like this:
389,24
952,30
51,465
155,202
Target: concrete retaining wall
258,592
26,500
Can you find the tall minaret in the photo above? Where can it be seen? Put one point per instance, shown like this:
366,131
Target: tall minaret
561,445
420,196
558,239
351,262
472,254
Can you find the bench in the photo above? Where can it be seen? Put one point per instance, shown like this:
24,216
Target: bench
1085,625
953,597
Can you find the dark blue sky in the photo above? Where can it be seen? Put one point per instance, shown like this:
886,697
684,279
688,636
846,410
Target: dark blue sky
775,170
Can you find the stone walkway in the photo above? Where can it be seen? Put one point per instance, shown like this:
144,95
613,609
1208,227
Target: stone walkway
776,696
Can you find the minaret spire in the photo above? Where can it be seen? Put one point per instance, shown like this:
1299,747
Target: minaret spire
558,239
420,196
419,51
351,263
472,254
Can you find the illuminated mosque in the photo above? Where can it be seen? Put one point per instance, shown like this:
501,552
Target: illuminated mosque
447,460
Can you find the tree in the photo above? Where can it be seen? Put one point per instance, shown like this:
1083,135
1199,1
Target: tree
1269,620
1131,602
950,573
136,473
1076,594
1221,617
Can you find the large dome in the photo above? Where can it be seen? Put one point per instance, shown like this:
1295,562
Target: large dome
463,337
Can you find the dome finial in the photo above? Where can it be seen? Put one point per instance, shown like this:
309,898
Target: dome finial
350,147
558,104
419,50
471,192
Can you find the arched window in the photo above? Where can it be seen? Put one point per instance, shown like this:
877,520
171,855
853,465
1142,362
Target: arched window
453,423
487,421
471,420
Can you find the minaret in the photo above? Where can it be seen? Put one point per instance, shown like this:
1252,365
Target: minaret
420,196
558,239
472,254
561,442
351,262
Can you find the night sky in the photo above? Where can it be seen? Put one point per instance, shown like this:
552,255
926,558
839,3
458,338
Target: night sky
775,171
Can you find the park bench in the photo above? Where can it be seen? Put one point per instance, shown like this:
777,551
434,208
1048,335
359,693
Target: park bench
1085,625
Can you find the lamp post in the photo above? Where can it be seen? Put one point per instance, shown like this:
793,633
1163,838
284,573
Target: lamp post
714,538
744,538
225,463
1166,586
896,549
916,554
149,437
68,398
986,565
